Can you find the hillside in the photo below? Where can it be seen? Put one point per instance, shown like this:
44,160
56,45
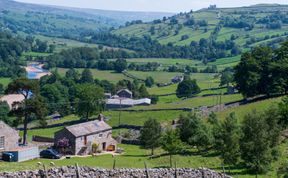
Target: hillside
246,26
56,21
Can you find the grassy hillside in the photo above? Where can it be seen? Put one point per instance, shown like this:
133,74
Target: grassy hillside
184,28
56,21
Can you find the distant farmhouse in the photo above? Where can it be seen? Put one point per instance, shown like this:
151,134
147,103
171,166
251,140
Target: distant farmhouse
12,98
125,93
83,136
177,79
9,144
124,99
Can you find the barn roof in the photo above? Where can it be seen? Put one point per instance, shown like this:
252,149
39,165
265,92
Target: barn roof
88,128
125,90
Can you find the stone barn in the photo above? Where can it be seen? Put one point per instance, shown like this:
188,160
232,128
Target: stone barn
82,136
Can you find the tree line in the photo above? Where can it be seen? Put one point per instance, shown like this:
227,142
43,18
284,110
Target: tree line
146,47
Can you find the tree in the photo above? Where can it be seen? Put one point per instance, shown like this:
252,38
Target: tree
120,65
56,94
171,143
150,135
1,88
149,82
143,93
226,78
283,112
73,74
187,88
90,100
4,111
194,132
86,76
27,88
255,145
229,137
247,76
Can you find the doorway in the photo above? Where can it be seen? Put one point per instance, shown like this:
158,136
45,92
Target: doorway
104,146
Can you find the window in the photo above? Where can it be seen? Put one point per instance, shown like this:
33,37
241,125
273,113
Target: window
2,142
100,135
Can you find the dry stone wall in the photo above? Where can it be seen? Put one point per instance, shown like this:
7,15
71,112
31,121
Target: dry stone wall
87,172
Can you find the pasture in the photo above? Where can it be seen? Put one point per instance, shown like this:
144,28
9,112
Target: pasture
100,75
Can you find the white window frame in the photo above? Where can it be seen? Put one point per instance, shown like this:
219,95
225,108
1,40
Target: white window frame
2,142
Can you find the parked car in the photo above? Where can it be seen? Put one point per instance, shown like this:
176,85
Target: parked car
50,154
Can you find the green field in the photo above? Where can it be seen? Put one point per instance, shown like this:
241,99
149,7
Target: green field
164,61
101,75
192,102
244,109
165,32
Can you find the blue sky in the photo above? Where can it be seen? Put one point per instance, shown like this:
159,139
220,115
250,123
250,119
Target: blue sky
152,5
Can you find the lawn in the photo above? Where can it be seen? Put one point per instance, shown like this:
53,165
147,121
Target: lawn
101,75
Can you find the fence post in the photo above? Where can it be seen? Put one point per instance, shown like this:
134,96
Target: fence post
45,171
175,174
114,163
77,171
146,170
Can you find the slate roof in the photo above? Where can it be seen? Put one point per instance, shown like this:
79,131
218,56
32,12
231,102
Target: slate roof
6,128
88,128
126,90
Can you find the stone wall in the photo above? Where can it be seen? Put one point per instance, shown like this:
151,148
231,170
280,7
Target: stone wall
86,172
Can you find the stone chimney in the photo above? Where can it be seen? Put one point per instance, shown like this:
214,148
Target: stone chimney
101,117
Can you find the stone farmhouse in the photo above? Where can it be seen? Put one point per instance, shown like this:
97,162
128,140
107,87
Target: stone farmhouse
8,138
83,136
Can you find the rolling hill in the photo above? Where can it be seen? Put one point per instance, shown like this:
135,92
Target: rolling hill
246,26
56,21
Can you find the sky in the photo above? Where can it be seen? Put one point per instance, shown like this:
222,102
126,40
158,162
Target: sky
152,5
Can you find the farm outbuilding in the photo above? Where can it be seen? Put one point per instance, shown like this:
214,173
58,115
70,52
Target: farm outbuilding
24,153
